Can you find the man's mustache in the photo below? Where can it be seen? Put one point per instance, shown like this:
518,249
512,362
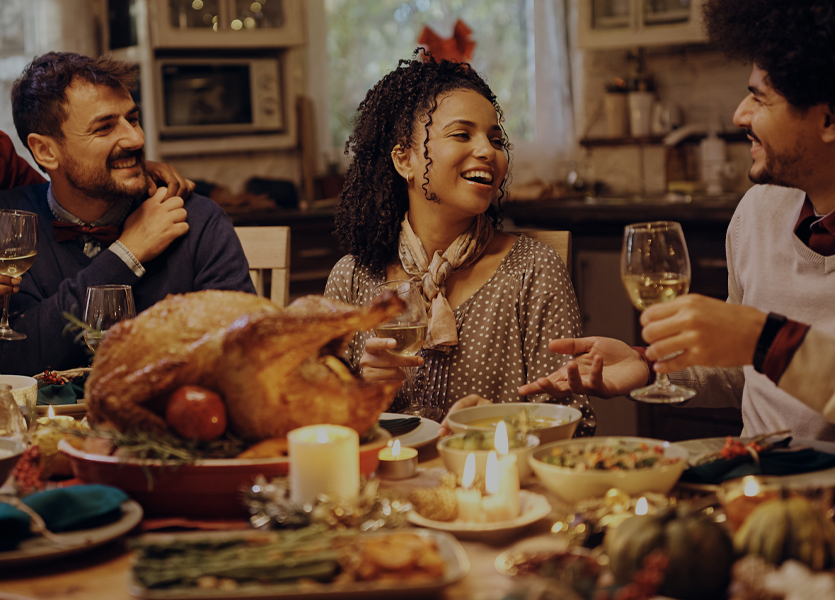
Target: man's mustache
751,134
124,154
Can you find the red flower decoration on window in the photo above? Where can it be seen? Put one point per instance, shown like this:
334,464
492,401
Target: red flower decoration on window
459,47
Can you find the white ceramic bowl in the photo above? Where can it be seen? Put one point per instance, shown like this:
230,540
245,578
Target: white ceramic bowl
455,458
572,485
24,391
460,421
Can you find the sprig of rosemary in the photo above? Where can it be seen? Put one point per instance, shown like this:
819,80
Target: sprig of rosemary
75,324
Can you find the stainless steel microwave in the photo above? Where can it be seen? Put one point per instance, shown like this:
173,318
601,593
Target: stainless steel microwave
207,97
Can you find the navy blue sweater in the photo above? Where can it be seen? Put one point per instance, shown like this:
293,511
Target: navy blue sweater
209,256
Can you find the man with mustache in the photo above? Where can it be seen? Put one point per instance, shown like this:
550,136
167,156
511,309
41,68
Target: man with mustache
780,246
99,220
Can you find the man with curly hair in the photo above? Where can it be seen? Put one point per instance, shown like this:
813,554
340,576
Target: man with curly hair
780,245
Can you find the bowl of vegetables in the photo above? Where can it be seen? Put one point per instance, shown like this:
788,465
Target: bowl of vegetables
548,422
454,450
586,468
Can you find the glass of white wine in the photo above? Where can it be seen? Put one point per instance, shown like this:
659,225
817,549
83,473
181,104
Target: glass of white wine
18,243
655,268
408,329
105,306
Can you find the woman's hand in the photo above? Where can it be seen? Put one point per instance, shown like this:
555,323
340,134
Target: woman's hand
602,367
706,331
378,364
465,402
163,175
9,285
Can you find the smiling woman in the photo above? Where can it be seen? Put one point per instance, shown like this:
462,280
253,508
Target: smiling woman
420,201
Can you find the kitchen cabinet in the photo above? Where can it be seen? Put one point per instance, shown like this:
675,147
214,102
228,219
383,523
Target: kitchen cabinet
630,23
228,23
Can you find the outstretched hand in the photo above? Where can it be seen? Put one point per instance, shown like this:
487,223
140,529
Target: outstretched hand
600,366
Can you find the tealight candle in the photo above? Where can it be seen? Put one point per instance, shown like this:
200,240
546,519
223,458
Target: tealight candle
469,498
397,462
50,418
324,459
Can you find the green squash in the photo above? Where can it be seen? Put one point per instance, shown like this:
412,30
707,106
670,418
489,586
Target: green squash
700,553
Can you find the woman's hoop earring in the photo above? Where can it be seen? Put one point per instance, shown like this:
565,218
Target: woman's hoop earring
409,178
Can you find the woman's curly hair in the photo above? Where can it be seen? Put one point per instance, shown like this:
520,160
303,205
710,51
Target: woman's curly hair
375,198
793,41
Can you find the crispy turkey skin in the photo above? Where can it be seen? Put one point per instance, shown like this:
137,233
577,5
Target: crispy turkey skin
269,365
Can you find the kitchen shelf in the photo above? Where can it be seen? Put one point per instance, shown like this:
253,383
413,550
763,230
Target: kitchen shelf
657,140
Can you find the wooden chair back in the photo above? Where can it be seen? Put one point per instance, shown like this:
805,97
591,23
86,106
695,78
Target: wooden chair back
558,240
267,250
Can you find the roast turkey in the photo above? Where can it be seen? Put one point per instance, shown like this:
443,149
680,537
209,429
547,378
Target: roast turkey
274,368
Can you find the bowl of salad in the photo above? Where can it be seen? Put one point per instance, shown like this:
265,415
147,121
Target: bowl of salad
548,422
586,468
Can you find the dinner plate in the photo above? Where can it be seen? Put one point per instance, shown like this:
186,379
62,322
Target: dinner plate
455,559
426,433
532,506
700,447
38,549
71,410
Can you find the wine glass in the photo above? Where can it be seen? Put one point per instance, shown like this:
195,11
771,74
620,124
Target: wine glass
105,306
18,240
655,268
408,329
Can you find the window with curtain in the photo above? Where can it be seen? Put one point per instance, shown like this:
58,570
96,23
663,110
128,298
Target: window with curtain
521,50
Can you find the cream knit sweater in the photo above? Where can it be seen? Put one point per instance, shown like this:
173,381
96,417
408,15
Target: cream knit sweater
769,268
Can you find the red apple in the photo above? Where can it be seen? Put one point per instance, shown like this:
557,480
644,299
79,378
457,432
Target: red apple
196,413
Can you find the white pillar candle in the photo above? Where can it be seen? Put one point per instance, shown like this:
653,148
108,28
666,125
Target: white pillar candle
495,504
508,471
469,499
324,459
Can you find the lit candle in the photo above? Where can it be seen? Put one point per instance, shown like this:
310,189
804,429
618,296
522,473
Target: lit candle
495,504
397,462
469,499
324,459
641,506
508,471
52,419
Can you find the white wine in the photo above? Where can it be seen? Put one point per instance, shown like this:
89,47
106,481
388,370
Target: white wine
16,265
93,339
409,338
646,290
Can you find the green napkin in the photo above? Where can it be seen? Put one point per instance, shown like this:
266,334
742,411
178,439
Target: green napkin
65,509
772,462
68,393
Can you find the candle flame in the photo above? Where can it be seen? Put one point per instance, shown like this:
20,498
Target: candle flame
641,506
395,449
500,440
51,412
469,472
322,436
752,488
491,476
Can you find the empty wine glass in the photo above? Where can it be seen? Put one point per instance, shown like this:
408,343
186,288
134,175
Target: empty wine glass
408,329
18,241
655,268
105,306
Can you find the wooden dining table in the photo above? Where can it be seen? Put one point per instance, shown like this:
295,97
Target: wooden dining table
102,573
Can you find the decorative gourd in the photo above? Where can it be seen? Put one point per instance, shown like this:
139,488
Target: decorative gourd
700,552
784,528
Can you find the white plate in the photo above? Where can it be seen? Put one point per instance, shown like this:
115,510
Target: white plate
72,410
457,567
700,447
533,508
427,432
37,548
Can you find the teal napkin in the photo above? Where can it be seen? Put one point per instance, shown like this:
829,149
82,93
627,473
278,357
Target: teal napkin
68,393
65,509
778,461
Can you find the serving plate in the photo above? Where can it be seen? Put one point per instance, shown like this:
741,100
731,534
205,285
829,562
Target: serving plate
457,567
70,410
427,432
38,549
700,447
532,506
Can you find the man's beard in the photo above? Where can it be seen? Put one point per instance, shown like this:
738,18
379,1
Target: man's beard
786,169
100,184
